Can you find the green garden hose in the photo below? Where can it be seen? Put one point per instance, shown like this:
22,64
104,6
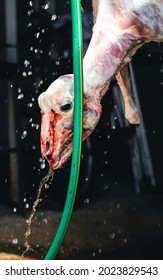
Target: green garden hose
78,125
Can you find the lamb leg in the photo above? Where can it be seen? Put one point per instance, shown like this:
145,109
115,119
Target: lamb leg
124,81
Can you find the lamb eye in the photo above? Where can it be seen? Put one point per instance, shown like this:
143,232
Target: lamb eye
66,106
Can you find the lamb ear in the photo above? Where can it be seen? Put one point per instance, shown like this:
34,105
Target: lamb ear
91,118
95,4
68,82
66,77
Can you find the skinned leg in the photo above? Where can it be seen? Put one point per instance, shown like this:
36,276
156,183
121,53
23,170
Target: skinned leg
124,81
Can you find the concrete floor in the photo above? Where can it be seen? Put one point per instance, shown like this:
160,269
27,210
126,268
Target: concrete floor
114,224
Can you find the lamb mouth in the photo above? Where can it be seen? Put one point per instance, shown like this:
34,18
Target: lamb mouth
55,164
65,148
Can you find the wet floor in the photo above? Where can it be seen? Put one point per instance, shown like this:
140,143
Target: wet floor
117,224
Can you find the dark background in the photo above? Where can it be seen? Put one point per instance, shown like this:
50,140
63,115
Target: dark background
36,48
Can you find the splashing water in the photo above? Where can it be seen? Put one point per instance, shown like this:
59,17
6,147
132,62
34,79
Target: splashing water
36,202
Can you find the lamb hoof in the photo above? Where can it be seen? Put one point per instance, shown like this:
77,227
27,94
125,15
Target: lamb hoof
134,118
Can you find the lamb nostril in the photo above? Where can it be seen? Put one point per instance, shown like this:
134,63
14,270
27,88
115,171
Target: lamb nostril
47,147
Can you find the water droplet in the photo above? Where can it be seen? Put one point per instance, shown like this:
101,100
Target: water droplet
36,126
86,200
24,134
40,83
112,235
42,165
45,221
105,187
30,104
30,12
19,90
26,62
29,24
31,3
15,241
105,222
27,205
118,205
46,6
46,186
53,17
14,209
20,96
24,74
37,35
66,53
